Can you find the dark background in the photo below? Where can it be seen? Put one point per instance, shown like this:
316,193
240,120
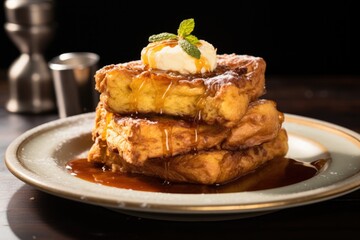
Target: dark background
294,37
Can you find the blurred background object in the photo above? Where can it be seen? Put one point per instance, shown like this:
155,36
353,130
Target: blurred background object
73,77
294,37
29,24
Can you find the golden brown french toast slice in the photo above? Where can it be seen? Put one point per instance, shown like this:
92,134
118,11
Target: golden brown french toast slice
261,122
204,167
221,96
138,139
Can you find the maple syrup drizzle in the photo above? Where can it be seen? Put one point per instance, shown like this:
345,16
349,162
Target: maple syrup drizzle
165,93
195,139
278,172
167,141
107,120
148,57
167,148
200,105
161,93
136,91
202,63
199,108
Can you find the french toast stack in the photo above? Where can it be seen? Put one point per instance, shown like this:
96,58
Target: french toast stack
206,128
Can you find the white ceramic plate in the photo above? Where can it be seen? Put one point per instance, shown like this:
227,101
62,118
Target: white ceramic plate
38,158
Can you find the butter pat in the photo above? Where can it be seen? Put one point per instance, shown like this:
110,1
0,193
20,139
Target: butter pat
167,55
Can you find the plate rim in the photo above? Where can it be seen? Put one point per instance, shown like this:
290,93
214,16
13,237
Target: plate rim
15,166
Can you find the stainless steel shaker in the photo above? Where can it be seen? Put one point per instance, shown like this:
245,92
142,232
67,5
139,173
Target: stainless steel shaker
30,25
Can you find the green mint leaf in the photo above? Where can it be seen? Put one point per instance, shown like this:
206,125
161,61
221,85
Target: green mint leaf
186,27
189,48
192,39
162,36
185,40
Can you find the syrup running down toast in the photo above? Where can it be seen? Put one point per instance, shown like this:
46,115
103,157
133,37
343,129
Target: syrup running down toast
184,113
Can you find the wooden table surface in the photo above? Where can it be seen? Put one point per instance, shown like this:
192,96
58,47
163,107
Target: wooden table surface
28,213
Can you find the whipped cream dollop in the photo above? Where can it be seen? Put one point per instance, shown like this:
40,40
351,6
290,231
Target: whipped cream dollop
169,56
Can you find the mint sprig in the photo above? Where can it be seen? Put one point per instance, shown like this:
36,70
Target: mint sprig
162,36
185,39
186,27
189,48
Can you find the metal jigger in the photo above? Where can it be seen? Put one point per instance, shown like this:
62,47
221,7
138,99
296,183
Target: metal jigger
30,27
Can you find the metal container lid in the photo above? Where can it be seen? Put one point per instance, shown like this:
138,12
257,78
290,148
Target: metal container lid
29,12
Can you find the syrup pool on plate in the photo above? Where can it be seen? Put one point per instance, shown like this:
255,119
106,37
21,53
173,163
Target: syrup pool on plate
276,173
